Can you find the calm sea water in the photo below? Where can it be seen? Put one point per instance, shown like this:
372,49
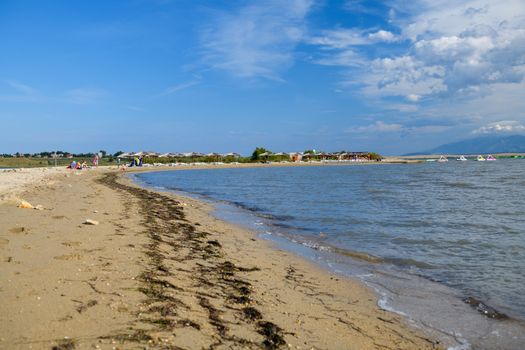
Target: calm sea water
461,224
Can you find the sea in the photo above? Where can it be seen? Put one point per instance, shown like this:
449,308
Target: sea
442,244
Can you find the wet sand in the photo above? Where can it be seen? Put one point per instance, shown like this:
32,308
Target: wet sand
158,272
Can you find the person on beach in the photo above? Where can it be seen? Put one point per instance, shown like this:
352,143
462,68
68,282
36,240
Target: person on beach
95,160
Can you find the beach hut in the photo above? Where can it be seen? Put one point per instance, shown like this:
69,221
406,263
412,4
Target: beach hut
215,156
295,156
231,154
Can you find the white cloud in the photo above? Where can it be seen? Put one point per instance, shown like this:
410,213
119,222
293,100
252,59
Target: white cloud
175,88
84,95
21,92
402,76
377,127
339,38
380,127
257,40
344,38
346,58
402,107
383,35
413,97
474,43
22,88
452,59
504,126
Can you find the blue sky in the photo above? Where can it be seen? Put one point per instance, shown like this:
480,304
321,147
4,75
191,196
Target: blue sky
232,75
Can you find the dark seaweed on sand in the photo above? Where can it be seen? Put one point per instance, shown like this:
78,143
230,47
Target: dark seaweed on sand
165,223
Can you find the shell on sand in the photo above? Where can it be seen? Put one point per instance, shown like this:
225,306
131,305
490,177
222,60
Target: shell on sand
90,222
25,205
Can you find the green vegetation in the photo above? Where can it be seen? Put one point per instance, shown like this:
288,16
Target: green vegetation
374,156
258,151
260,154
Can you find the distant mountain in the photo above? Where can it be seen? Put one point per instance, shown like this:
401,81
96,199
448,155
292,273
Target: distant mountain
482,144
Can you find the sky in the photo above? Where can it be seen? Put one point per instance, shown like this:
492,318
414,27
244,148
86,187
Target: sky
389,76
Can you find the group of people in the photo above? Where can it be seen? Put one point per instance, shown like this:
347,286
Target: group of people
77,165
83,165
137,161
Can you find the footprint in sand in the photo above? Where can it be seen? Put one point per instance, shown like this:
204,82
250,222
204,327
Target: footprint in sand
73,256
58,217
19,229
3,242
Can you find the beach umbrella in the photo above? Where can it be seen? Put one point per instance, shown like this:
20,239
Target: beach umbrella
125,155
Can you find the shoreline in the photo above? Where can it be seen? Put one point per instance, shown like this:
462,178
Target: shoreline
158,272
489,326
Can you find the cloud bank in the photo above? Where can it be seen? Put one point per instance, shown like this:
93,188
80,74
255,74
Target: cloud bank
258,40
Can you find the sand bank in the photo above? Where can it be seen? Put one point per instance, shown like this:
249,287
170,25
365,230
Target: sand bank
158,272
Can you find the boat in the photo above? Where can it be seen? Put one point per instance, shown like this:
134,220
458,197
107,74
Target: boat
462,158
443,159
490,157
480,158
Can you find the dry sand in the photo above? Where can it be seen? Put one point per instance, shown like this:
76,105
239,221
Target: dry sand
158,272
13,181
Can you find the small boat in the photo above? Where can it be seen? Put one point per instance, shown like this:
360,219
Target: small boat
443,159
480,158
462,158
490,157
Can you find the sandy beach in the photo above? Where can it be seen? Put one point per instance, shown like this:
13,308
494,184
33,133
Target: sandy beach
157,271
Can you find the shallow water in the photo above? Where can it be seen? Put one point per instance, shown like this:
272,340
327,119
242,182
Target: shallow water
461,224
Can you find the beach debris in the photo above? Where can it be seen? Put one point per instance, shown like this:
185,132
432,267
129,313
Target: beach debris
25,205
251,313
90,222
484,309
272,333
39,207
18,229
65,344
